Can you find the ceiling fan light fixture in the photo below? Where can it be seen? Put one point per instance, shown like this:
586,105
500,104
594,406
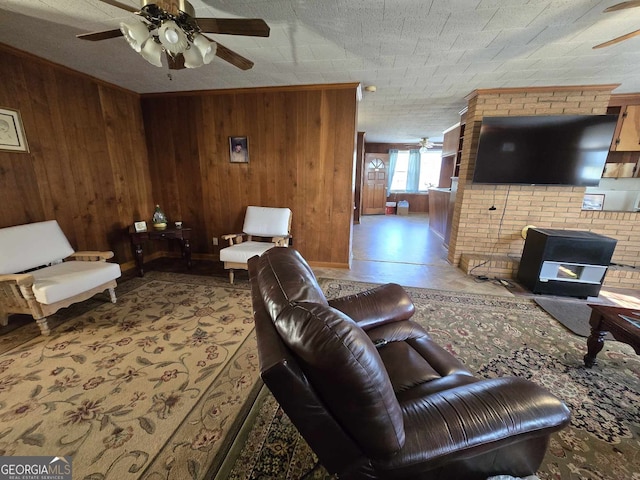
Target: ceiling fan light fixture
172,38
206,47
423,150
135,33
192,58
152,52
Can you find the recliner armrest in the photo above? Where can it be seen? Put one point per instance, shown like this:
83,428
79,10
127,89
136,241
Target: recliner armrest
467,420
377,306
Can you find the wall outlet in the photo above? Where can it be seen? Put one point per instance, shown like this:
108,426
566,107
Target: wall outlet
215,241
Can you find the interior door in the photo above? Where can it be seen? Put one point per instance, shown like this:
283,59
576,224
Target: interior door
374,191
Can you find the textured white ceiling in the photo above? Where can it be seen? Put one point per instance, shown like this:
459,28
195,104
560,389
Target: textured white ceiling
424,56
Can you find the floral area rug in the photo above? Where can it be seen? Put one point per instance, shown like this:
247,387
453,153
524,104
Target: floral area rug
148,388
495,336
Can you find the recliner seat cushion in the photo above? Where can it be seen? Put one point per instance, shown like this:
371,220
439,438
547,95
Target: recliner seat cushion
416,365
67,279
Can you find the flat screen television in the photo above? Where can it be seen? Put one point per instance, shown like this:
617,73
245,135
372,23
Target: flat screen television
544,150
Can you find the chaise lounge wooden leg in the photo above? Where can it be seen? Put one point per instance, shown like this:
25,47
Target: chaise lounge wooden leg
112,294
231,275
44,326
4,319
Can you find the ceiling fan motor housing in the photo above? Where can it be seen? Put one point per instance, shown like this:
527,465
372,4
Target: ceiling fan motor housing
174,7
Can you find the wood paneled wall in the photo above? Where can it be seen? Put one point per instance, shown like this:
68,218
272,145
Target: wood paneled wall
92,167
301,155
87,166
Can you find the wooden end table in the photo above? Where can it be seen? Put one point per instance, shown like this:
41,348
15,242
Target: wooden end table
606,318
182,235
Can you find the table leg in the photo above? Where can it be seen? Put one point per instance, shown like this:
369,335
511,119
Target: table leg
137,251
595,342
186,251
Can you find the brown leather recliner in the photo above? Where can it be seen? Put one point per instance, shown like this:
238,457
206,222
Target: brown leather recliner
375,397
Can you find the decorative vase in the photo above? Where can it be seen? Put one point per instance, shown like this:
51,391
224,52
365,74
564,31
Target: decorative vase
159,219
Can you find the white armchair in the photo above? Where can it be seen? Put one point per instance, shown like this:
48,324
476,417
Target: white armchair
272,225
40,273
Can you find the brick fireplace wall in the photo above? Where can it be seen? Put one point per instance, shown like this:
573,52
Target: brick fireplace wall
480,235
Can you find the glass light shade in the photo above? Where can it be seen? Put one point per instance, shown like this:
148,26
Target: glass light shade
172,37
152,52
192,57
207,48
135,33
424,149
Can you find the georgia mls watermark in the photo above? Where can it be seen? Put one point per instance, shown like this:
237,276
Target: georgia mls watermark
35,468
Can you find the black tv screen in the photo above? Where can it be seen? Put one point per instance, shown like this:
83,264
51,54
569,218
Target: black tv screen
544,150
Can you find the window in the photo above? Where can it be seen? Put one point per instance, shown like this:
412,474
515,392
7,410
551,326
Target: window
430,163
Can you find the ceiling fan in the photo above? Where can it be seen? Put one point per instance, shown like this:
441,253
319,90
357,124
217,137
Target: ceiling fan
614,8
426,144
171,27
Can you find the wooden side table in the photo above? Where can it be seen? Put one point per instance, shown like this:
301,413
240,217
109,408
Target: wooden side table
606,318
182,235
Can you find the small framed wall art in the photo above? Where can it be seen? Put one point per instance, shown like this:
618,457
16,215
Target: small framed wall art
238,150
12,138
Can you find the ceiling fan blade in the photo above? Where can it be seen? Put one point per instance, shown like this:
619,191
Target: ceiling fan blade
618,39
104,35
123,6
622,6
233,58
255,27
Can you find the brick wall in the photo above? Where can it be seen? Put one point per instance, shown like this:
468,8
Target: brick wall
479,232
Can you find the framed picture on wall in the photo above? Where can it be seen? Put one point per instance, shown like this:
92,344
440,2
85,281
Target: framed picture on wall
12,138
238,150
593,201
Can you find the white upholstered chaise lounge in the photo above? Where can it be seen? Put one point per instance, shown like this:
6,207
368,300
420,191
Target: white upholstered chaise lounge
40,272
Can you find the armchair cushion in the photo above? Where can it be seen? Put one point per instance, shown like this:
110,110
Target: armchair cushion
68,279
32,245
267,221
242,252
